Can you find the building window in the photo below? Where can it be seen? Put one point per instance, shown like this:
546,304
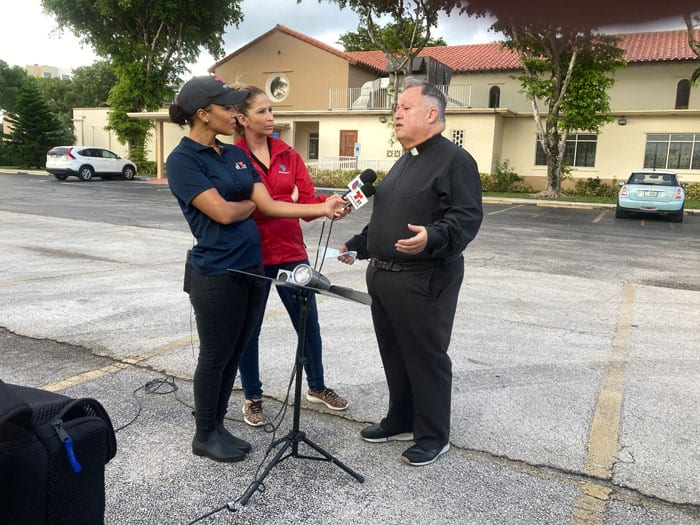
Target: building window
458,137
313,146
277,87
494,97
673,151
580,151
682,94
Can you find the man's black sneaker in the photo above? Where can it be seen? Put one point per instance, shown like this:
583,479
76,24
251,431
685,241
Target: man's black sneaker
418,456
376,434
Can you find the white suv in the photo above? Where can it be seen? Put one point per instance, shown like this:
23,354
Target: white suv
86,162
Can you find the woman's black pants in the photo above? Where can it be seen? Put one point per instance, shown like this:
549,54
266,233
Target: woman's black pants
227,308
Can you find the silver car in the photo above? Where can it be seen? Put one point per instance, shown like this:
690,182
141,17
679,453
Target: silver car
654,192
86,162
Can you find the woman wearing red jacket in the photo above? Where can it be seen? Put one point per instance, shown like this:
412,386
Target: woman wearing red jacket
286,178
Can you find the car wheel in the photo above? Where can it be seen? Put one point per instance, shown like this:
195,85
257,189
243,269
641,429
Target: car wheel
128,172
619,214
86,173
60,177
678,216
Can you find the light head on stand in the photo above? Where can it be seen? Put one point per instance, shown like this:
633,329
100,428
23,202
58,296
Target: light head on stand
304,275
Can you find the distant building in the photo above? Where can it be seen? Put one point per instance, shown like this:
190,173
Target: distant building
48,72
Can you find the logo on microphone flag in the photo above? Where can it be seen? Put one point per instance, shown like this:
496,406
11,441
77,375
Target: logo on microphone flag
357,198
355,183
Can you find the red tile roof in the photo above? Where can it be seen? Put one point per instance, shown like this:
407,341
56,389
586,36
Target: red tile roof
477,57
659,46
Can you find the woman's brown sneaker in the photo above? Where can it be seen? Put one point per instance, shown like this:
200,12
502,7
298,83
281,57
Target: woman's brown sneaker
253,413
328,397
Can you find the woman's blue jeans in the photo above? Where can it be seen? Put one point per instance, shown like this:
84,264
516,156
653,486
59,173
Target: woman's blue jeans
249,365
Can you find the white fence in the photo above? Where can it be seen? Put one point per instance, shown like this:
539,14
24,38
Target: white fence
348,164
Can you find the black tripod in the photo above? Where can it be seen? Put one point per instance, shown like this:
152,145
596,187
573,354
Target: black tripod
296,436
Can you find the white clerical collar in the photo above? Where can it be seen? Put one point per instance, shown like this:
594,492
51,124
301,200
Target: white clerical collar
414,151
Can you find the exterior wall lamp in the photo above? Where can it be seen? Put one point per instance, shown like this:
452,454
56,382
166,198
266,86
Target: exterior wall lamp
382,119
622,120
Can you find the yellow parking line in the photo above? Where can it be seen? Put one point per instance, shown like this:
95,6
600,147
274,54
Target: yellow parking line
600,216
84,377
554,204
505,209
603,437
121,364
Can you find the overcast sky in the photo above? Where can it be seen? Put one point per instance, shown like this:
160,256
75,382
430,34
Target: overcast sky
28,35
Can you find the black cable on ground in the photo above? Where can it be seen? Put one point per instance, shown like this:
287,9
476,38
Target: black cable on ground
160,386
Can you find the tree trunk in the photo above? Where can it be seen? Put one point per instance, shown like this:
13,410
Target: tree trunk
553,188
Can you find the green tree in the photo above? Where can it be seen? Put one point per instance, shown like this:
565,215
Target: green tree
91,84
35,128
59,95
692,22
361,41
404,38
11,81
150,43
568,71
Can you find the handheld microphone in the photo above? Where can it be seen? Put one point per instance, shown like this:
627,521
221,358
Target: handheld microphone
366,177
360,196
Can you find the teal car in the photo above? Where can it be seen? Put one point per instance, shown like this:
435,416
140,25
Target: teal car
652,192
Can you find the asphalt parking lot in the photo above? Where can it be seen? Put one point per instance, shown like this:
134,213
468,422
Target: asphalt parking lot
576,372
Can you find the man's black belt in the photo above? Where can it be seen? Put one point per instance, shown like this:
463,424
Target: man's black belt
393,266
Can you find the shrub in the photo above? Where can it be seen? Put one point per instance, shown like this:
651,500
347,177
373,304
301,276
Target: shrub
505,180
692,192
594,187
338,178
147,168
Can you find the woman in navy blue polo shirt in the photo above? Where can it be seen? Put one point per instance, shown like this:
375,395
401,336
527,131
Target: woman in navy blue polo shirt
218,189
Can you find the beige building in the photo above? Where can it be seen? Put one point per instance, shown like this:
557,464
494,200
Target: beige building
333,106
42,71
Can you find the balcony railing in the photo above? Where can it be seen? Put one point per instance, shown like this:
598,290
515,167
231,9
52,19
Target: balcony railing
348,99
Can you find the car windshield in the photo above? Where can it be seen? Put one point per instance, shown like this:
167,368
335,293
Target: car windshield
654,179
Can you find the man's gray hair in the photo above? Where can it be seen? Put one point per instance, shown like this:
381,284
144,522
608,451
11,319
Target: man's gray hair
428,90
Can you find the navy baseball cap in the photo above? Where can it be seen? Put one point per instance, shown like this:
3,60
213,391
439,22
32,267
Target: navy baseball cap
199,92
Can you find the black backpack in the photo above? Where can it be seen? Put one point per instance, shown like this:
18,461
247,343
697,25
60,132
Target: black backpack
53,450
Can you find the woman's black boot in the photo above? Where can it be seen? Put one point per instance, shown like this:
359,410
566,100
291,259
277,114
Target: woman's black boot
235,441
210,443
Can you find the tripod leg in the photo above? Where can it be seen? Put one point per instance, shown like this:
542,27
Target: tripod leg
333,459
289,441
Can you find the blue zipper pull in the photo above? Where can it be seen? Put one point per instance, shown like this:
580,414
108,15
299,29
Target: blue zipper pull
68,444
